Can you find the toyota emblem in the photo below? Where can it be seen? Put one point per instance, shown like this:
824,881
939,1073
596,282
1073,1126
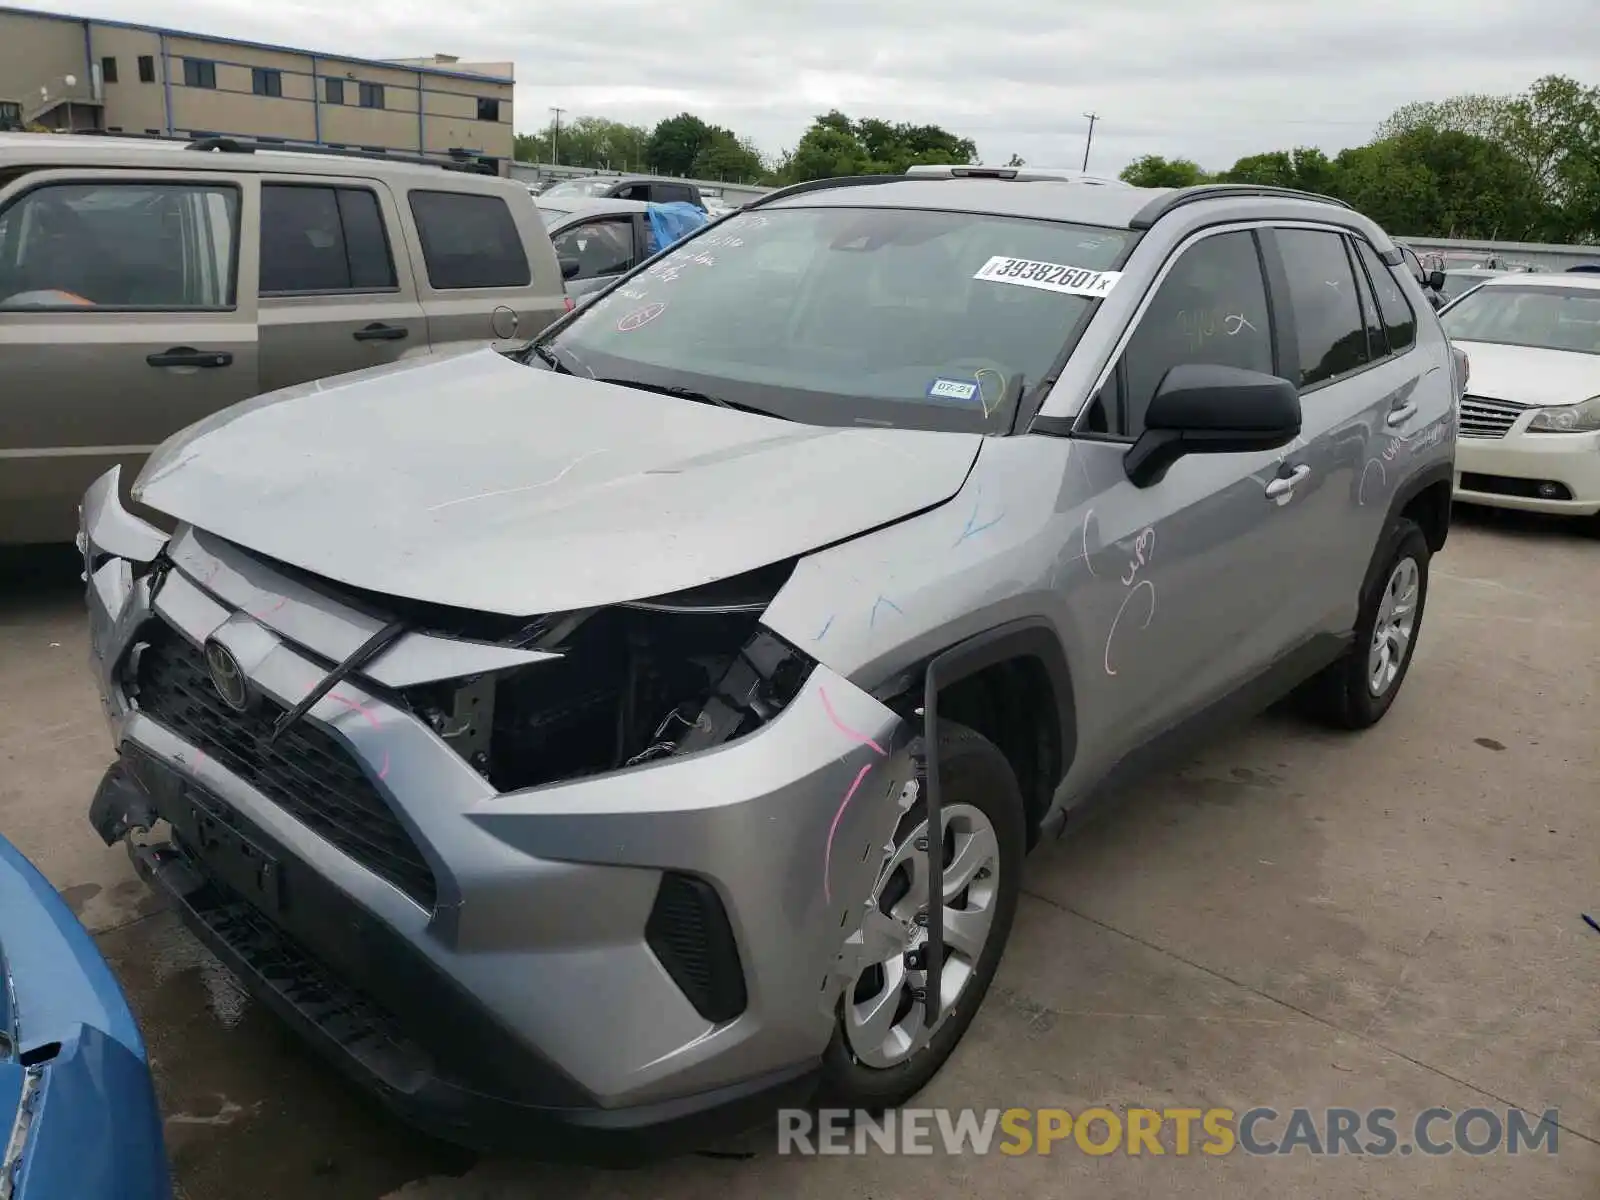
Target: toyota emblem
227,676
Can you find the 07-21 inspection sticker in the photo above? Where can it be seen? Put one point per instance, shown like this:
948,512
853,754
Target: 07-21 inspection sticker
1047,276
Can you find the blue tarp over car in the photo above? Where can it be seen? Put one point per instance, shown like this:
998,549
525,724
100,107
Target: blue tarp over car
76,1101
673,222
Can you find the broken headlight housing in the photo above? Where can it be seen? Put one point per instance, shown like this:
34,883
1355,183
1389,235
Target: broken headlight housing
634,682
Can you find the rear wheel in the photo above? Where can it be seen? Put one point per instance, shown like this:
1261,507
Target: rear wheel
883,1052
1356,691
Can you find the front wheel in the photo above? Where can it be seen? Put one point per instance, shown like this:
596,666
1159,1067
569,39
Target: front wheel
883,1052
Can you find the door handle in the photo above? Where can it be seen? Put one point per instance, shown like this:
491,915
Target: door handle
1399,416
1284,485
188,356
379,332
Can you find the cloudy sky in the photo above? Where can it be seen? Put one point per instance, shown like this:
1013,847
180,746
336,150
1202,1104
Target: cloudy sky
1208,81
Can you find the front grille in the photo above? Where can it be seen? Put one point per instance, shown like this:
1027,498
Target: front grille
352,1020
1485,418
308,772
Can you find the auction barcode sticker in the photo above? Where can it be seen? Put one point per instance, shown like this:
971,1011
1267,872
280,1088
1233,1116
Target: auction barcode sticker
1047,276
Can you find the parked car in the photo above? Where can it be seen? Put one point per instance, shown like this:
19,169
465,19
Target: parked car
572,194
1426,279
705,670
1530,423
610,237
147,284
1458,281
77,1106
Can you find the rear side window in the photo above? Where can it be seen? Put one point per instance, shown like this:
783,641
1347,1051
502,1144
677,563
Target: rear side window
673,193
86,246
1327,312
469,241
1394,310
322,239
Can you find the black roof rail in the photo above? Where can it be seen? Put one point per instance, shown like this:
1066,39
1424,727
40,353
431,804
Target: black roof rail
819,185
1178,197
460,159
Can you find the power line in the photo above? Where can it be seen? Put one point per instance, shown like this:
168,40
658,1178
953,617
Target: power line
1089,141
555,136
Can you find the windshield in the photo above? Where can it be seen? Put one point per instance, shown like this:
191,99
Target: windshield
576,189
1547,318
838,316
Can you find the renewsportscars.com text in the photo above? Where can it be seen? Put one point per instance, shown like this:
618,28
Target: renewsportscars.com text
1179,1132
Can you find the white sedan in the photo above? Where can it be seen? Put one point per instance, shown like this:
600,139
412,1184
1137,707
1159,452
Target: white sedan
1529,430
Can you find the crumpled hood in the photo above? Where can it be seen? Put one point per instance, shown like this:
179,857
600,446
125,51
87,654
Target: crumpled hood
1524,375
482,484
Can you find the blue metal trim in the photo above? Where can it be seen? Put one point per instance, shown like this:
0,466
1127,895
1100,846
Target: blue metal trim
88,56
316,103
422,108
164,32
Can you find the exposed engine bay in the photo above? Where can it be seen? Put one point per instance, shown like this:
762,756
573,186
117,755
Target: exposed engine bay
635,682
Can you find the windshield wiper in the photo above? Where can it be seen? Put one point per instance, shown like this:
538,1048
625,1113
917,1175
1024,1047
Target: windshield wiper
555,361
684,393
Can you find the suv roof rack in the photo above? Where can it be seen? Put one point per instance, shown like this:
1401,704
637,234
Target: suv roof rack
819,185
1178,197
460,160
1021,174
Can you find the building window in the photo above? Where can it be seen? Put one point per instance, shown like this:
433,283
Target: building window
333,91
108,69
488,110
198,73
372,95
266,83
147,68
10,115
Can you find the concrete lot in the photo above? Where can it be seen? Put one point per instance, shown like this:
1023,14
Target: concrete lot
1295,919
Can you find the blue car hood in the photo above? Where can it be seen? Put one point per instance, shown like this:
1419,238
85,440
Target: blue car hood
72,1056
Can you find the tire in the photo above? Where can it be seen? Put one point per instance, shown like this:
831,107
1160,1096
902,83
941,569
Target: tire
973,775
1343,695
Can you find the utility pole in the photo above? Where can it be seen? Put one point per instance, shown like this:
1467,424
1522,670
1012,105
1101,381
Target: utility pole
1093,117
555,137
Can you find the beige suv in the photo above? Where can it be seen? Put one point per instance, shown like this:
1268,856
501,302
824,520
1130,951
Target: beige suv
147,284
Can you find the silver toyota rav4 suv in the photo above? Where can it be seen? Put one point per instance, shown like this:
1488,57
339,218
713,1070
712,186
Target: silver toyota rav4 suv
554,737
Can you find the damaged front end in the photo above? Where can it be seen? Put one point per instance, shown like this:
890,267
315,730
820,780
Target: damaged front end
507,871
633,683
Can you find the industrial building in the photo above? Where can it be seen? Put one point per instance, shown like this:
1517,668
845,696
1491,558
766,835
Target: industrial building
74,73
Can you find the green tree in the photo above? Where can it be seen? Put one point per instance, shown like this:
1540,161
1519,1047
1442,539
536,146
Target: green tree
835,145
676,142
728,158
1475,113
585,142
1304,167
1154,171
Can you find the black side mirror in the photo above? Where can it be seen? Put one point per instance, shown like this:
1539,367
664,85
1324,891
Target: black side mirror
570,268
1436,280
1202,408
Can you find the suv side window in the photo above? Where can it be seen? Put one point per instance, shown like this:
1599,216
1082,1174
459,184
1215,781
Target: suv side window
675,193
1331,336
120,246
600,247
469,240
1210,308
322,239
1394,310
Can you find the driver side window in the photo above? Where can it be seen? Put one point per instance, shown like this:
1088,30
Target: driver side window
600,247
1211,308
